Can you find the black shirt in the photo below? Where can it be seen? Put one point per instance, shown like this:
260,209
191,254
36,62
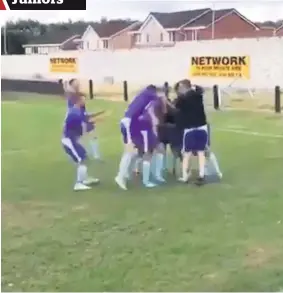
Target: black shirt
191,111
170,116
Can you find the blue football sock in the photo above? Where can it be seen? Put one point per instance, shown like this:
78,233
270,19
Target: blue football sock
94,148
153,165
81,173
170,161
125,165
159,166
146,173
131,166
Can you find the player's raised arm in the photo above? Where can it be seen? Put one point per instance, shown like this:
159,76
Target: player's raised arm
198,89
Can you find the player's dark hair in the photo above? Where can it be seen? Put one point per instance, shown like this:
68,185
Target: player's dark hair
71,81
151,87
186,82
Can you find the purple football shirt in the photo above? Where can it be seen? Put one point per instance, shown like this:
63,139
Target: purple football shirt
140,102
155,108
73,123
71,98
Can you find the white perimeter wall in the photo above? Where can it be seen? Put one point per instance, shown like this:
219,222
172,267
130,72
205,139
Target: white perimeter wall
142,66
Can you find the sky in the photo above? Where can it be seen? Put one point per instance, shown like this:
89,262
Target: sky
138,9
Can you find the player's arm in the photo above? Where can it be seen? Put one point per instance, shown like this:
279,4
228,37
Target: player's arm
175,105
99,116
198,89
154,119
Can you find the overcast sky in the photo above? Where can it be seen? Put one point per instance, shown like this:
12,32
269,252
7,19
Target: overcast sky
138,9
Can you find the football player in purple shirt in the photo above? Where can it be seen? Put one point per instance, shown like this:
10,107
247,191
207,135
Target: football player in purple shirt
72,88
72,133
154,114
138,132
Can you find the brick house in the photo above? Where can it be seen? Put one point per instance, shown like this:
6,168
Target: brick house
102,36
109,35
267,29
279,31
164,29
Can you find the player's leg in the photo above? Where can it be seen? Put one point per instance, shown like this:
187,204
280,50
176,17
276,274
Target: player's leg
158,162
134,167
78,154
212,166
127,156
200,138
147,143
176,160
188,146
93,141
176,141
137,163
162,149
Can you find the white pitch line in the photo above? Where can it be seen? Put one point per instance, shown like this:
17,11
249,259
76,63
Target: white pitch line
47,149
253,133
105,139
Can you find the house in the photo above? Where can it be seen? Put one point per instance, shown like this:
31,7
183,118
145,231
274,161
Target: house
279,31
54,41
98,36
164,29
109,35
267,29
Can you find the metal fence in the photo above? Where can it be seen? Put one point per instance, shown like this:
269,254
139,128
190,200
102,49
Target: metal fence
32,86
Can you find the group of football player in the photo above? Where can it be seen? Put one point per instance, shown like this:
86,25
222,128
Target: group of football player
156,132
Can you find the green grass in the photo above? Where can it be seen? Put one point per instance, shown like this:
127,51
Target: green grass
222,237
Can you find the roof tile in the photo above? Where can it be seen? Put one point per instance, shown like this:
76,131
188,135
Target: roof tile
207,18
107,29
179,18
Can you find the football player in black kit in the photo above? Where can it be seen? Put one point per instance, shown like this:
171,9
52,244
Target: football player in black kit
191,120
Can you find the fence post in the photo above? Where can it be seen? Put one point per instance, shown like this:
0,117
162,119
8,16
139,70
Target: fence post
166,89
125,91
277,104
90,83
61,83
216,97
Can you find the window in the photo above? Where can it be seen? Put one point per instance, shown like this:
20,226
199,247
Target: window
195,35
138,38
147,38
161,37
35,50
172,36
28,50
105,44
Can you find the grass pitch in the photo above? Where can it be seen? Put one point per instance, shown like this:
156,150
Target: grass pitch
221,237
